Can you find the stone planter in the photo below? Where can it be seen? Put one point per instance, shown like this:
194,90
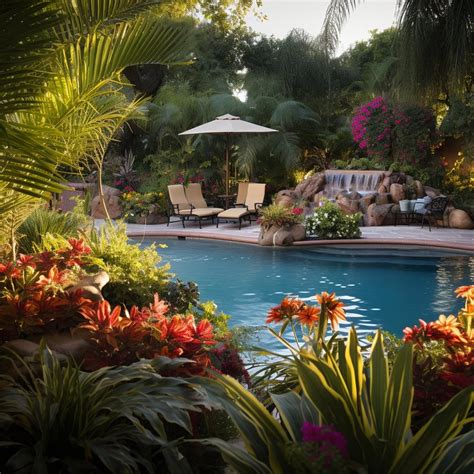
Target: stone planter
281,235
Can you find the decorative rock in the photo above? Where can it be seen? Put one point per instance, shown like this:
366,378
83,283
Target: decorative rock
71,346
285,201
112,202
284,236
419,188
460,219
432,192
398,178
387,182
383,198
91,286
397,191
355,195
382,189
309,187
378,214
409,179
366,201
318,197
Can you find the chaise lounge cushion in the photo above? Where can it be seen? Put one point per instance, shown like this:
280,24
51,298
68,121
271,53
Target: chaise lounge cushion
233,213
201,212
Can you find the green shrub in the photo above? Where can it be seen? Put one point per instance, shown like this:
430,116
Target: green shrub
42,222
358,164
135,274
329,222
274,214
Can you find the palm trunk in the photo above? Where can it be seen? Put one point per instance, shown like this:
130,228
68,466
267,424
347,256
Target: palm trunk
100,189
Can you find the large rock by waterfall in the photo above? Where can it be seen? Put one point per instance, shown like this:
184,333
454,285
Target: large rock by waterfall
374,193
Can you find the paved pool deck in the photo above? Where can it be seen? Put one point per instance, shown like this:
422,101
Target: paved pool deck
404,236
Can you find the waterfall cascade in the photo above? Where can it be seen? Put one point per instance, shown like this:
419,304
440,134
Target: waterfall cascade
363,182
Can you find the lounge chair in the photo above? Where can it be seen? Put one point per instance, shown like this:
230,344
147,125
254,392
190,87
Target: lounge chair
184,204
253,201
241,193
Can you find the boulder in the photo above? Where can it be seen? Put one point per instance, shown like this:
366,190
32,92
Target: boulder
460,219
383,198
318,197
432,192
398,178
68,345
366,201
382,189
354,195
281,236
91,286
110,191
112,202
387,182
409,180
310,186
285,199
398,192
379,214
419,189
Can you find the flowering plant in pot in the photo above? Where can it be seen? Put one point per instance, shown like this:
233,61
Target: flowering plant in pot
280,216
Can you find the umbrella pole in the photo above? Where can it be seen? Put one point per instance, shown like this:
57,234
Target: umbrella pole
227,167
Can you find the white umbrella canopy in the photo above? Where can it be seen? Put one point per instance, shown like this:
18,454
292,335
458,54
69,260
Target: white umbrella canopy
227,125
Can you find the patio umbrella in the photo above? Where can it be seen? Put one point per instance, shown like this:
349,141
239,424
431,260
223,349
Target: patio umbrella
227,125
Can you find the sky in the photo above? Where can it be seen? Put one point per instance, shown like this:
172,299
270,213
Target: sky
284,15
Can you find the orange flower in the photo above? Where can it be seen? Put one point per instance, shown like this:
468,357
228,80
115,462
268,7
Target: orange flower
333,308
448,324
288,308
465,292
308,315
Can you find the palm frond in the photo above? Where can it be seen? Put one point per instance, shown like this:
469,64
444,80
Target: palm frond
336,15
25,39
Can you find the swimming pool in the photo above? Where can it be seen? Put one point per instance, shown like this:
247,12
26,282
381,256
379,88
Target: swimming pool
389,288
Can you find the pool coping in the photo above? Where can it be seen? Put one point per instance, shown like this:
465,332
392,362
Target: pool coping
348,243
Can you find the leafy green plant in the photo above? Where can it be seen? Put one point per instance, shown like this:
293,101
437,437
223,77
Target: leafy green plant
135,273
44,221
143,204
58,418
330,222
274,214
371,409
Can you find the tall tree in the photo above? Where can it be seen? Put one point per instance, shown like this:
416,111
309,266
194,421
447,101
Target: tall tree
436,41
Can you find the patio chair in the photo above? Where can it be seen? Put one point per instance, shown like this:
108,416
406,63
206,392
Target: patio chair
199,207
179,205
253,201
241,193
434,211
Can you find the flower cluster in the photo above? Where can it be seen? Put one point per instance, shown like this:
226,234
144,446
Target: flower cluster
119,339
226,359
38,294
323,449
143,204
444,356
293,309
330,222
404,133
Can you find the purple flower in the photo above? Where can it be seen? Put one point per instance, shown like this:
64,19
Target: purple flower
325,436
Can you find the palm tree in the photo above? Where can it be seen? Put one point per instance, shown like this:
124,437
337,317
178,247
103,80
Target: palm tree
61,86
436,41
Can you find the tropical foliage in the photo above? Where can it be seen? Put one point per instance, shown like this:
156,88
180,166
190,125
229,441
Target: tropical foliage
64,101
278,215
370,410
125,419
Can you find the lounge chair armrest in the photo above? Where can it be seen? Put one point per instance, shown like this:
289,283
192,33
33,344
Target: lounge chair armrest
258,205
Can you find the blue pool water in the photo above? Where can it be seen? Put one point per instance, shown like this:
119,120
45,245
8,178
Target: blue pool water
386,288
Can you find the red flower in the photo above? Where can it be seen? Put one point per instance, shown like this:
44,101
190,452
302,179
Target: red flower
78,246
204,332
308,315
287,309
26,261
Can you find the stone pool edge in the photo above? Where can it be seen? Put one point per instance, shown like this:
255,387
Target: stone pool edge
367,242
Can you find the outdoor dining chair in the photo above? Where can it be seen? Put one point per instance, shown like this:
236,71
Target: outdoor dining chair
433,212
